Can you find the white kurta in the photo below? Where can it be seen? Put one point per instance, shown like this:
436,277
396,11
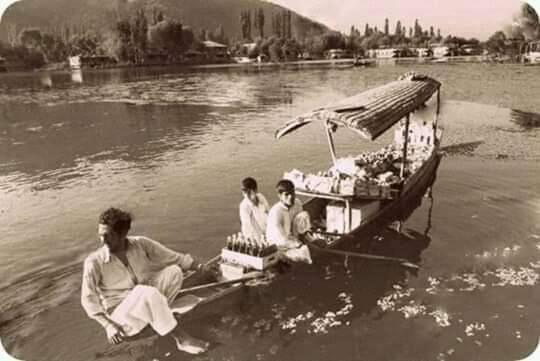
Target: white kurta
279,230
253,217
138,295
149,304
284,226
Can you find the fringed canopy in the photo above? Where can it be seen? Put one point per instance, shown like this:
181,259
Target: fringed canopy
372,112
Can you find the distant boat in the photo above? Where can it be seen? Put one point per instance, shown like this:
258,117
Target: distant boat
440,60
244,60
362,62
342,66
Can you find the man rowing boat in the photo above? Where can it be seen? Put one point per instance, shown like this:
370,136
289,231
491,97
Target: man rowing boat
130,282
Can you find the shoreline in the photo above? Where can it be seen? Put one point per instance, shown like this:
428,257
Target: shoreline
367,62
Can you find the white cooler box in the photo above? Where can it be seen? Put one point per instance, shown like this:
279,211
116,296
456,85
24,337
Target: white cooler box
360,210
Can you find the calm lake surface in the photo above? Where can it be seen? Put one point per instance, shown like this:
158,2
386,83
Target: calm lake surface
172,145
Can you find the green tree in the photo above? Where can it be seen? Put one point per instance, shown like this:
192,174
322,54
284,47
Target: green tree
203,34
248,25
496,43
260,22
289,24
219,35
276,25
124,33
245,22
30,38
398,31
290,50
417,29
526,24
54,48
168,36
139,35
274,50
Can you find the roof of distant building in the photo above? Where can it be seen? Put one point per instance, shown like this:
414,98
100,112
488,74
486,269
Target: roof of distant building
213,44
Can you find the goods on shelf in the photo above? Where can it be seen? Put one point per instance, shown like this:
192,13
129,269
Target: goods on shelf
371,174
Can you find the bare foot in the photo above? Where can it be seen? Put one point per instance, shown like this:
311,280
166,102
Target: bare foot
190,344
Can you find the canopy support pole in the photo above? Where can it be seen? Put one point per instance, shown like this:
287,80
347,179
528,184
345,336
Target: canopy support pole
328,127
435,140
405,145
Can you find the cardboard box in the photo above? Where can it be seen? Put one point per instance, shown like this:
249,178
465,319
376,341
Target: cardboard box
336,219
246,260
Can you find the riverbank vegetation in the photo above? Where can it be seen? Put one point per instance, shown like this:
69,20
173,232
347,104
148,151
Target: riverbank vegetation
154,37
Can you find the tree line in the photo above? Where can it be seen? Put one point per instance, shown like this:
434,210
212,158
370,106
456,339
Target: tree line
511,40
133,38
129,40
282,44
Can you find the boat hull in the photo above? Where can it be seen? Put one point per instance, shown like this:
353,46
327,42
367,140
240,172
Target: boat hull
398,208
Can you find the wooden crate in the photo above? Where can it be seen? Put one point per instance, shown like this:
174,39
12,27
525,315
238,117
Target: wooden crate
231,271
246,260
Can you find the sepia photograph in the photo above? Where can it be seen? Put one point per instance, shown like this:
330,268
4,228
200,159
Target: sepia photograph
269,180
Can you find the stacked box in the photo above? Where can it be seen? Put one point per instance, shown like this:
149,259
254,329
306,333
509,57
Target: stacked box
249,261
336,214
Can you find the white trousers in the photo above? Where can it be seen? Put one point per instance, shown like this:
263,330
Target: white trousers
149,304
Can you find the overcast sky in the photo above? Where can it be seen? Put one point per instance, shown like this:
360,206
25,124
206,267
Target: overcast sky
468,18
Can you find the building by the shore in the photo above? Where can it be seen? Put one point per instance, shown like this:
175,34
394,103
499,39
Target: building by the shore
384,53
422,52
337,54
440,51
216,51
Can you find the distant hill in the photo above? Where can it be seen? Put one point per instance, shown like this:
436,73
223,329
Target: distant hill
99,15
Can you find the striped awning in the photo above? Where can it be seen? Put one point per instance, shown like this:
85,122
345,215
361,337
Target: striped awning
372,112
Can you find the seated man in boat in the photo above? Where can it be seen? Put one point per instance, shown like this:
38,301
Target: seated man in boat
253,210
287,222
131,282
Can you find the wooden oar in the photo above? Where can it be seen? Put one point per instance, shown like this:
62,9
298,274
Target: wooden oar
402,261
247,277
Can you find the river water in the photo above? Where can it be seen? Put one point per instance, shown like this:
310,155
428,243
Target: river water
171,145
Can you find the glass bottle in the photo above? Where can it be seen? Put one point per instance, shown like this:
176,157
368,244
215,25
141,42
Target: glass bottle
248,247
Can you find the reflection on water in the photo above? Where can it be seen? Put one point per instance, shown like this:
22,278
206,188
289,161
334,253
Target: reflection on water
46,80
172,146
77,76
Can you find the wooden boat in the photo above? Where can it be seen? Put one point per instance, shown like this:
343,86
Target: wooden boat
370,114
363,62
